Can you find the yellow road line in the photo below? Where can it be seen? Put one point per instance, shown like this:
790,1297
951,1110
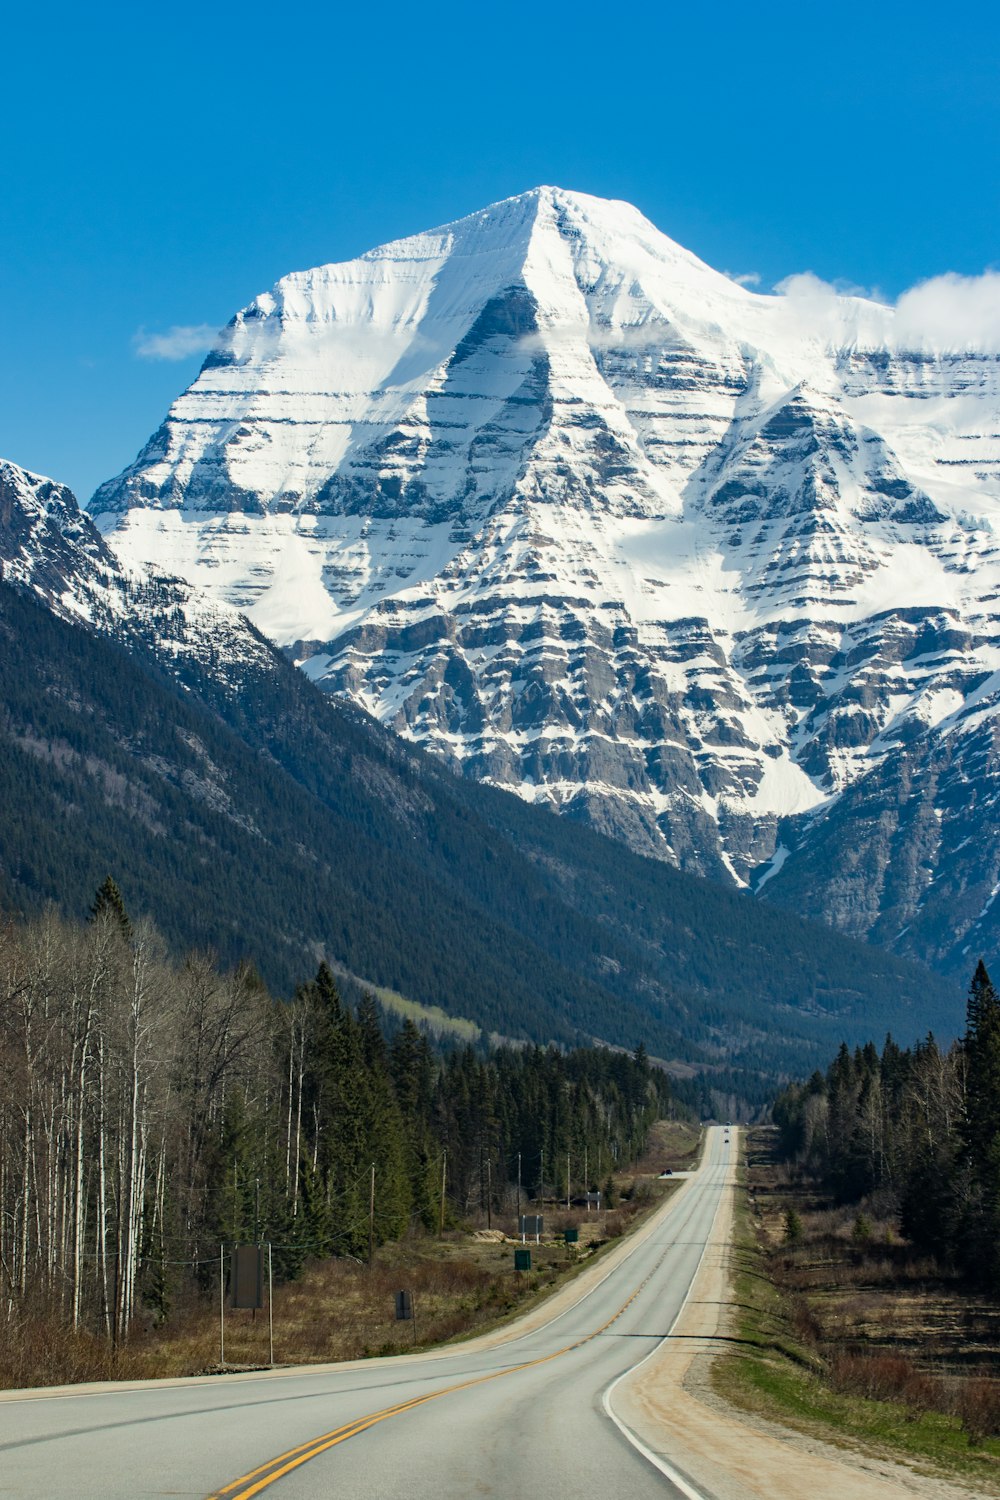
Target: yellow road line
266,1474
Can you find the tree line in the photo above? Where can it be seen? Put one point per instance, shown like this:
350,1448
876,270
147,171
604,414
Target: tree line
153,1109
920,1126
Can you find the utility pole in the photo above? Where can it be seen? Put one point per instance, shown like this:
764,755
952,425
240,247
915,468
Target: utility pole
489,1192
541,1170
371,1220
222,1305
586,1181
444,1179
519,1185
567,1179
270,1303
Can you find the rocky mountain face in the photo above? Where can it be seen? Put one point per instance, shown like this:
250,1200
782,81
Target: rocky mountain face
52,549
714,572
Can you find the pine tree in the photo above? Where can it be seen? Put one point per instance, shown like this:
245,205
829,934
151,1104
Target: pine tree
108,902
981,1128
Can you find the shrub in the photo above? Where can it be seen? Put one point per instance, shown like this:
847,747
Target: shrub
793,1227
888,1377
978,1407
862,1229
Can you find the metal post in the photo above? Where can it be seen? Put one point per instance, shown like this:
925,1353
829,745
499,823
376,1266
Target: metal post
586,1181
371,1220
270,1303
444,1178
222,1304
567,1179
489,1193
519,1184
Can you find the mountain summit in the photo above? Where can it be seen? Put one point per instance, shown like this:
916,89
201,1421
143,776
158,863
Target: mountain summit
714,571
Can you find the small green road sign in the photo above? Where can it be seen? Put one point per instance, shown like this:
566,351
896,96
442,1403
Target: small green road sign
522,1260
571,1236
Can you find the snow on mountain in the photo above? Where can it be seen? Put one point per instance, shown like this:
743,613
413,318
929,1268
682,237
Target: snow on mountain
47,544
51,548
547,493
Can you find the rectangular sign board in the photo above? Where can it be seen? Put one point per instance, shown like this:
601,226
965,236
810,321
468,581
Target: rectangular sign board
531,1223
246,1276
404,1307
522,1260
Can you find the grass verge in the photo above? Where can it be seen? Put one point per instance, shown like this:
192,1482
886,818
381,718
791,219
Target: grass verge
775,1370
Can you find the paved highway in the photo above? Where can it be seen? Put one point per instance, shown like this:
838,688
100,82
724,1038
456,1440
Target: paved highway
526,1416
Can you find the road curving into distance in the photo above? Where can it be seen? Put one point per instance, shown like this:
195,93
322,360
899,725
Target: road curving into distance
528,1410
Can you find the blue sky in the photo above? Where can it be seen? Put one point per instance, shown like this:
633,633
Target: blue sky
161,166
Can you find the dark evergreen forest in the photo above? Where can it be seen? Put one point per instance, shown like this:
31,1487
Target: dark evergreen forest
920,1128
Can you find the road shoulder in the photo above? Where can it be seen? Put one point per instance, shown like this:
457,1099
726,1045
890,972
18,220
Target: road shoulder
727,1454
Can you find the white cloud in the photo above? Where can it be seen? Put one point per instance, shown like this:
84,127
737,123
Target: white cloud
945,314
179,342
745,278
951,312
655,333
806,286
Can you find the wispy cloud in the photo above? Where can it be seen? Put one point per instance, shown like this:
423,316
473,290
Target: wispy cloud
805,285
655,333
945,314
179,342
744,278
951,312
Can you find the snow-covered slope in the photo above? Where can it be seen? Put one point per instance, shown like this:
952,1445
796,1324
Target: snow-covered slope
52,548
546,492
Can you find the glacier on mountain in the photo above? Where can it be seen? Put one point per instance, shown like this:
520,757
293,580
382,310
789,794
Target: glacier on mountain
713,570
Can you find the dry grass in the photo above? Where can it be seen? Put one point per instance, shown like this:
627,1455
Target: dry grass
881,1323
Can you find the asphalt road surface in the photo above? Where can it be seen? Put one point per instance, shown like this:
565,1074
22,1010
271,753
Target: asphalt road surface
532,1416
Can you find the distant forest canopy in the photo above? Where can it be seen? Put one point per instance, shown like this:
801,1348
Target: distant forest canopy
153,1109
920,1128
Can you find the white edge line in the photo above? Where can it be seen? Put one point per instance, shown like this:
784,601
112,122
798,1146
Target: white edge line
665,1467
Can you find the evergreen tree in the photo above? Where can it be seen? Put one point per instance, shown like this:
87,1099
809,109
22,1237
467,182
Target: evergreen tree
981,1127
108,902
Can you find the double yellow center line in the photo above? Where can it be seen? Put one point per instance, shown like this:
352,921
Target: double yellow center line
276,1468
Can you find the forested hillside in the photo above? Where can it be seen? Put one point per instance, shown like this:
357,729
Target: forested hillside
255,816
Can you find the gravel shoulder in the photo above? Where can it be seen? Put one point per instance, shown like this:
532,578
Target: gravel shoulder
728,1454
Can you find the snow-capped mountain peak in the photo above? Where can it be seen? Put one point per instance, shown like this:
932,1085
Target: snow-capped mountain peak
546,492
